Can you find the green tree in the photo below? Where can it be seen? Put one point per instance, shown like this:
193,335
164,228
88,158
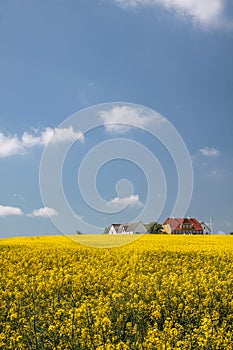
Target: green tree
78,232
154,227
106,230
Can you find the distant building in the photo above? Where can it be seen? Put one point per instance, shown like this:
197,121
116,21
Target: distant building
187,226
206,229
130,228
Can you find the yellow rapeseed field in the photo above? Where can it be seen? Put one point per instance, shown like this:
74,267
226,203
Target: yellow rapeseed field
159,292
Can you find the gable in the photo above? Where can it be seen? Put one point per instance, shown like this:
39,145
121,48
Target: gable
177,223
174,223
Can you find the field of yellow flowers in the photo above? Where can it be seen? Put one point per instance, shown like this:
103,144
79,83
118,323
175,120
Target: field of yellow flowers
159,292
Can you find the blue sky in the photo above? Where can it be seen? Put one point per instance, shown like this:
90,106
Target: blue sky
58,57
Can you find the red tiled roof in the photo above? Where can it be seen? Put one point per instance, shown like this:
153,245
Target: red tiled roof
196,224
175,223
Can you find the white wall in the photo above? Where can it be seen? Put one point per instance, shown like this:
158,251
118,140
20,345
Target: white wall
112,231
206,230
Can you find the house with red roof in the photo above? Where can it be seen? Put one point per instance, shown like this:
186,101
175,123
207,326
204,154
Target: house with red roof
187,226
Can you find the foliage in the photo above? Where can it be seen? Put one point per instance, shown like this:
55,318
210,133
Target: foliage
160,292
154,227
106,230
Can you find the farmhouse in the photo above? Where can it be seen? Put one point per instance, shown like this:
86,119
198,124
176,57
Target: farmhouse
130,228
185,226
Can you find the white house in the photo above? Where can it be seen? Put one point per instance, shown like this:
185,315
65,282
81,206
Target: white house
130,228
206,229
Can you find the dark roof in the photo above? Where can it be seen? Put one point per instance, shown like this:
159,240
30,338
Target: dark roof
117,227
129,227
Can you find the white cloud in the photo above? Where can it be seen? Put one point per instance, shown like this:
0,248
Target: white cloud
29,140
209,152
119,118
61,135
7,211
133,201
221,233
205,12
43,212
12,145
